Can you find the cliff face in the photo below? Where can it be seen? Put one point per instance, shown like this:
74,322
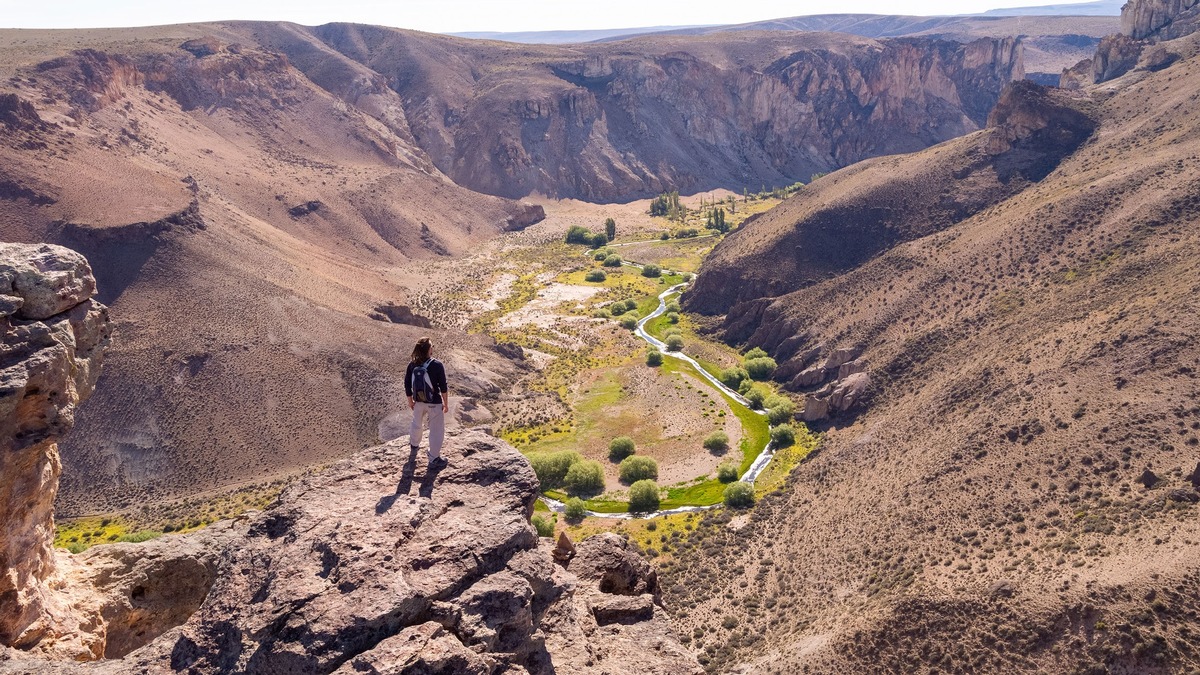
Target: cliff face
1164,19
52,341
608,122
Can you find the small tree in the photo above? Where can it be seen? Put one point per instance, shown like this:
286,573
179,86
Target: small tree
601,313
755,396
739,495
654,358
601,254
756,353
651,271
578,235
610,228
596,276
599,239
781,413
760,369
585,478
673,306
635,468
783,436
613,260
733,377
717,443
674,343
576,510
621,447
643,496
727,472
673,317
552,467
629,323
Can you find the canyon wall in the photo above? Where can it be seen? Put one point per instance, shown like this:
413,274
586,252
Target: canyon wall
614,121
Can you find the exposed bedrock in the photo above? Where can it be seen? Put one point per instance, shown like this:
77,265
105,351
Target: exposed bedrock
380,564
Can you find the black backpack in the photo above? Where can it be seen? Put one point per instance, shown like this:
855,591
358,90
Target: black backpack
422,385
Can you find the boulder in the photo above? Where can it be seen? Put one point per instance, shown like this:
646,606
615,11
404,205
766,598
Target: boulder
1194,477
1184,496
840,356
850,391
809,378
427,649
815,408
623,609
1148,479
608,560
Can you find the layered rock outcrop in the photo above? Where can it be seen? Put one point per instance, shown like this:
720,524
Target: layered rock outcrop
51,351
1142,22
381,564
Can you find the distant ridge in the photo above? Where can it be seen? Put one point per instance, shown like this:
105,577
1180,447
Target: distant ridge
1097,8
558,37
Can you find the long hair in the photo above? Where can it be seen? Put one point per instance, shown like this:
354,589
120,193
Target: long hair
421,350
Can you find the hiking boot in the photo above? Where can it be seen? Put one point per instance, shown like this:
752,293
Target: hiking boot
438,463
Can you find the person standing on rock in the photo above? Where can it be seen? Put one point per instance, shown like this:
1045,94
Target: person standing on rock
428,397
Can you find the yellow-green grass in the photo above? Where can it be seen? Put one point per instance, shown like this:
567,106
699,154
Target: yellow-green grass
786,459
650,535
79,534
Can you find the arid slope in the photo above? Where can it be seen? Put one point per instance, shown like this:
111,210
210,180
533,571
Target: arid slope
1020,493
243,223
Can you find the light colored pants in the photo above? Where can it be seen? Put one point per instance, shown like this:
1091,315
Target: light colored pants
437,427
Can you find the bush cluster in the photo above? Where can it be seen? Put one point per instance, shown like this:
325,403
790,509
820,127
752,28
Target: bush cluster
596,275
651,271
654,358
739,495
643,496
635,468
674,343
727,472
584,478
613,260
567,469
581,235
717,443
621,447
783,436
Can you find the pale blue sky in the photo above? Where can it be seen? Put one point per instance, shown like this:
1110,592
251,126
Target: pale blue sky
463,15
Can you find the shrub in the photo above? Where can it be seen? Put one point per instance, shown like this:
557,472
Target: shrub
739,495
544,526
621,447
755,396
673,331
654,358
576,509
746,385
637,468
585,477
783,436
643,496
687,277
733,377
727,472
665,236
717,443
596,275
781,413
756,353
673,306
599,239
674,343
629,323
673,317
601,254
630,305
687,233
652,271
552,467
601,314
613,260
761,368
579,235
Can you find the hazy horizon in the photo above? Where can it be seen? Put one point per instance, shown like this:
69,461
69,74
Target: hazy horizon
462,16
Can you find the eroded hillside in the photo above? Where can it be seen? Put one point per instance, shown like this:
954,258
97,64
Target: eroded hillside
1020,492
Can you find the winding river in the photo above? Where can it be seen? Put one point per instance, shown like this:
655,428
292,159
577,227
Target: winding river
760,463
